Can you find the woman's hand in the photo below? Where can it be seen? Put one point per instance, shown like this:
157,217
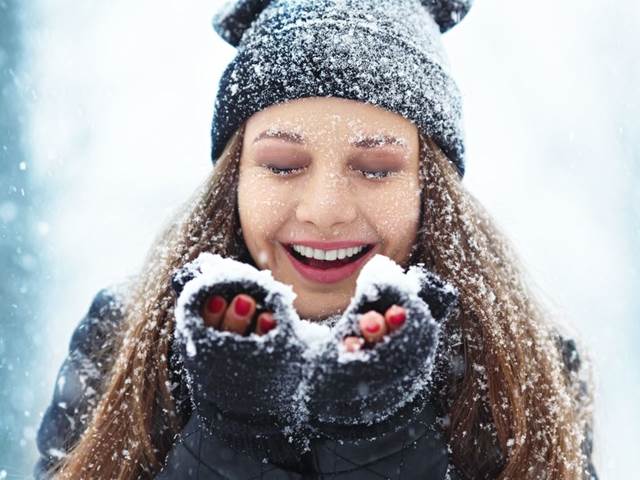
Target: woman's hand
237,315
239,350
374,326
248,371
381,353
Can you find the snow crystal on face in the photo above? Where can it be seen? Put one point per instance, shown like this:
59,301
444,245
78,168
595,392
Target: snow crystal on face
214,269
263,258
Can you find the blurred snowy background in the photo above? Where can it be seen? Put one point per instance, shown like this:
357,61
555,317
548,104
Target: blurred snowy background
105,112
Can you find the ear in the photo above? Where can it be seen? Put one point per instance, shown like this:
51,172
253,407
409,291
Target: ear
235,17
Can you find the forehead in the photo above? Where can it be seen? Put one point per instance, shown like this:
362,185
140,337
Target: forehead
330,119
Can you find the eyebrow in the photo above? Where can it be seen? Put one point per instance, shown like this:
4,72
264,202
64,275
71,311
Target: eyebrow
377,141
282,135
364,142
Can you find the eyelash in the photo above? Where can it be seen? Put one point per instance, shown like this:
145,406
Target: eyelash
285,172
282,172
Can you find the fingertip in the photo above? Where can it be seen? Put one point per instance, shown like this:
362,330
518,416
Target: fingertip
353,344
266,323
243,305
372,326
395,317
213,310
238,315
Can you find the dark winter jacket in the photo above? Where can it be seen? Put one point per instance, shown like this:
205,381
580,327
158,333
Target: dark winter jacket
350,433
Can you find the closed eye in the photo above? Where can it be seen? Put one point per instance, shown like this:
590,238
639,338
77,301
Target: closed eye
283,172
374,174
368,174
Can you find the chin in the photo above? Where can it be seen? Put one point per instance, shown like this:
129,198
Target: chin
319,306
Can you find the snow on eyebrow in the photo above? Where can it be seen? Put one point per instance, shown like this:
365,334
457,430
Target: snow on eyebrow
282,134
377,140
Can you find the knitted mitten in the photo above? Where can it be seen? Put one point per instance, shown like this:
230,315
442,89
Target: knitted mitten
373,386
241,385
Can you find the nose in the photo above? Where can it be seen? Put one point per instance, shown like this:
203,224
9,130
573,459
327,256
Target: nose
326,201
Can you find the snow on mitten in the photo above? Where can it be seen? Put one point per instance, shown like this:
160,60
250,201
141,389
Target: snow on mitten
369,386
241,385
442,297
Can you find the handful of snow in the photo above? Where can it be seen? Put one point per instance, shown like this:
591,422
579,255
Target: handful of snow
298,374
208,270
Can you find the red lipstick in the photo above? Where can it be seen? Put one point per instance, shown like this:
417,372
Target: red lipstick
323,271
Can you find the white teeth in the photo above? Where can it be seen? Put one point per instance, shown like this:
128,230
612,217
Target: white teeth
328,255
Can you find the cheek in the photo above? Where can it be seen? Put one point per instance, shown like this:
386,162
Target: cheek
394,211
262,207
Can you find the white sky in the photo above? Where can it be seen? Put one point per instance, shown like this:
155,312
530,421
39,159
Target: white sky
119,132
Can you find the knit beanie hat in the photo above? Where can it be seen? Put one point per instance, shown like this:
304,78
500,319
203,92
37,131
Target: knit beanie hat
383,52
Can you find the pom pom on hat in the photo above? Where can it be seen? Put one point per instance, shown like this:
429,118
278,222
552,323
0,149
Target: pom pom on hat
235,17
447,13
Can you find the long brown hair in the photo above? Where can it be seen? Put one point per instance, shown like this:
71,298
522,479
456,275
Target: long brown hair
511,412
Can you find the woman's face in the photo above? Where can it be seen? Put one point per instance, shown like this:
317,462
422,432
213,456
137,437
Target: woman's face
320,177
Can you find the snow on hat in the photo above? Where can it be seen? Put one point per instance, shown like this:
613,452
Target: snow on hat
383,52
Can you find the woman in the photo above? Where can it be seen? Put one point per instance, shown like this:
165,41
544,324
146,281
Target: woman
338,121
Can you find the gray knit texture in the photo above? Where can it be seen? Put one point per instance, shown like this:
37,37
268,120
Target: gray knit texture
386,53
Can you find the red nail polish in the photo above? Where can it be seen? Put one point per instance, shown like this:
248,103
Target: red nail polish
216,304
267,323
372,327
242,306
397,319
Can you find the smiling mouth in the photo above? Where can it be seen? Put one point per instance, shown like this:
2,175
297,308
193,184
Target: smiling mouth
327,264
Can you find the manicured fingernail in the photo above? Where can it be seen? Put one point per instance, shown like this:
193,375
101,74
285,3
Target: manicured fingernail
216,304
267,322
242,306
371,326
398,318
